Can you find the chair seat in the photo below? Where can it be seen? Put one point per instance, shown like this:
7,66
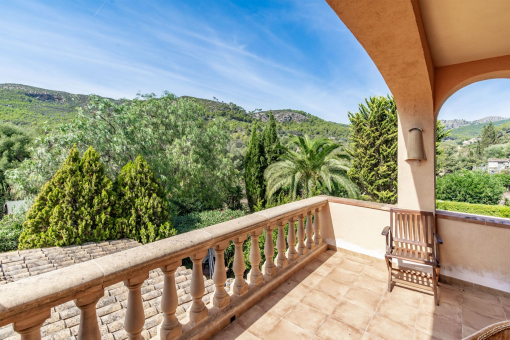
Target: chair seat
413,255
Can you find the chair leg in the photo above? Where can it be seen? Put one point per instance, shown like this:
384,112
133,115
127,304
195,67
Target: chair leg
389,264
434,283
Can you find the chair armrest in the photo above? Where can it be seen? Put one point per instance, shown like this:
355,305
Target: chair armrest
385,231
438,238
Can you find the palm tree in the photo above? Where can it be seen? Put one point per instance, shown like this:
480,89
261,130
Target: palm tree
315,162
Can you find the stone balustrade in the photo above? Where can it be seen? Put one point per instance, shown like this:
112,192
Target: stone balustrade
27,303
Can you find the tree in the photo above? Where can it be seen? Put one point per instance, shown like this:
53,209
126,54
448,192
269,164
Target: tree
315,162
373,148
75,206
441,134
142,206
489,136
271,142
253,170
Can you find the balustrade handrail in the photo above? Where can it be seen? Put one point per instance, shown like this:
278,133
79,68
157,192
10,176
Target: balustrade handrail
21,298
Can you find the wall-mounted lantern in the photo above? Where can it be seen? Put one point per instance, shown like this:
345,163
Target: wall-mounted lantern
415,151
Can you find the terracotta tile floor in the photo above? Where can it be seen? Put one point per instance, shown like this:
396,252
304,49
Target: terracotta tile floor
339,296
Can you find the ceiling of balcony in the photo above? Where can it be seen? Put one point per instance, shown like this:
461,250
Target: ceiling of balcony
460,31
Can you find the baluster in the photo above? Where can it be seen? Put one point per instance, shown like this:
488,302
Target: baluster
317,227
197,311
89,328
135,317
220,298
240,286
281,260
170,328
292,254
255,276
269,267
310,245
302,250
29,328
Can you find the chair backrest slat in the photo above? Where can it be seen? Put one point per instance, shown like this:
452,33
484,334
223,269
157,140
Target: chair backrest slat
412,230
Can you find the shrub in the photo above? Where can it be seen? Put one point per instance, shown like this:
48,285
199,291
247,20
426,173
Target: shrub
198,220
10,230
479,209
142,208
470,186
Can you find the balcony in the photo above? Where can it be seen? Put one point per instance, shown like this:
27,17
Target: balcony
328,281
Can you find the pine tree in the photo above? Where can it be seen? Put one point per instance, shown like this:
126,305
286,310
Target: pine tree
142,207
253,170
75,206
489,136
374,148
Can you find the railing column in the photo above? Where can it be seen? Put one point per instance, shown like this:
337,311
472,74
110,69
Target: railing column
310,244
317,227
281,260
29,328
135,317
220,298
292,254
302,250
89,328
255,277
269,268
197,311
170,328
240,286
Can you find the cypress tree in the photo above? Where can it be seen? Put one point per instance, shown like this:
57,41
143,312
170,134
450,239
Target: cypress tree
142,207
489,136
253,170
75,206
271,142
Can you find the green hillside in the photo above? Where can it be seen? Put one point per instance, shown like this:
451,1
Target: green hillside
32,106
475,130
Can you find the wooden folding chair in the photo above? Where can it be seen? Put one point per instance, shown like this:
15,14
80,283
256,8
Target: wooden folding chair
412,237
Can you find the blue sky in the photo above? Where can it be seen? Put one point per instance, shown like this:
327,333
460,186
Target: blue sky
267,54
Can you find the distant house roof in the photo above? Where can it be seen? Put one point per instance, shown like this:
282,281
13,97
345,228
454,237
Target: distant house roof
111,308
13,206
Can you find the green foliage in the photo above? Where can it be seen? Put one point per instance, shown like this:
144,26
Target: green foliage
271,143
142,206
75,206
315,163
478,209
202,219
441,134
470,186
253,170
11,227
475,130
489,136
374,148
497,151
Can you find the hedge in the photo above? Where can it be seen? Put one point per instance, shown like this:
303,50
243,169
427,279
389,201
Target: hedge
198,220
478,209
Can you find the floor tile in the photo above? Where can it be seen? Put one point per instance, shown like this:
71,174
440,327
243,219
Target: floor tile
376,274
404,295
353,315
306,278
329,259
504,301
257,321
362,298
351,266
368,336
379,265
467,331
321,301
286,330
293,288
234,332
506,309
401,313
319,268
332,287
438,327
423,336
389,329
359,259
374,286
333,329
450,296
444,309
482,295
481,306
343,276
278,303
305,317
477,321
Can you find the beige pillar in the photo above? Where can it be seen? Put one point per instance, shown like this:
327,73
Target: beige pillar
310,244
240,286
291,253
135,317
269,267
89,328
220,299
29,327
416,181
170,327
281,259
197,311
255,276
302,250
317,227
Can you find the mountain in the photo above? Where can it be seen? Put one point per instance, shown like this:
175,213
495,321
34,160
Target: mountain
457,123
32,106
473,128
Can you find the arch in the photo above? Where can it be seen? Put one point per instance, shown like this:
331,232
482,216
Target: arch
450,79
